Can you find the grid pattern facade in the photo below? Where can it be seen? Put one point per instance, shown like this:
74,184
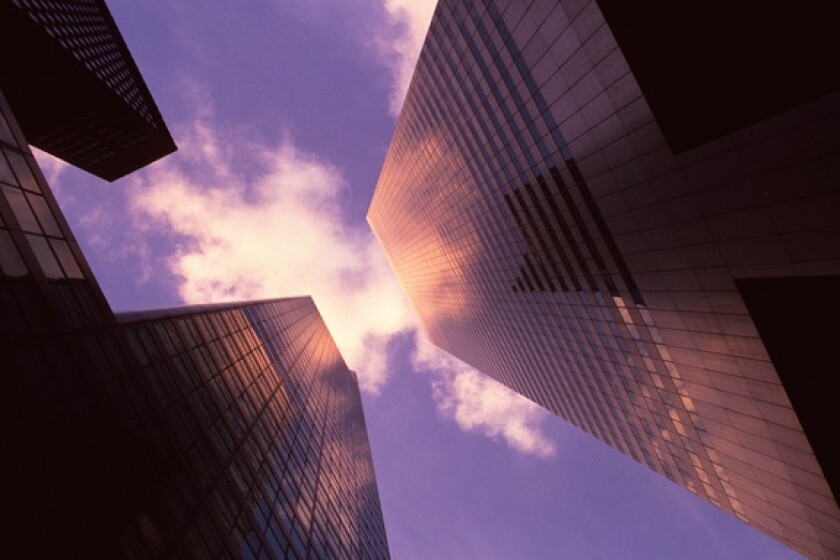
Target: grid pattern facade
266,421
231,431
47,284
76,91
548,235
85,30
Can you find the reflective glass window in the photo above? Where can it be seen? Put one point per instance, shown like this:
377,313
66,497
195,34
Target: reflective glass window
6,174
10,261
23,172
6,131
65,257
45,216
21,209
45,256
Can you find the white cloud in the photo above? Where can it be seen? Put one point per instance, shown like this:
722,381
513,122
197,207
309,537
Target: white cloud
478,403
267,223
401,47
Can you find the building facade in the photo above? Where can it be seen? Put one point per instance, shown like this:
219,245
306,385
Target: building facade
75,88
638,227
229,431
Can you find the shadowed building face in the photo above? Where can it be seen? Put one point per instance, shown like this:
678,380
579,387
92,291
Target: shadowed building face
570,213
75,89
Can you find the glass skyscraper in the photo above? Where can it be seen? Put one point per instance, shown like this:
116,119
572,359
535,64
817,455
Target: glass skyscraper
630,214
75,88
221,431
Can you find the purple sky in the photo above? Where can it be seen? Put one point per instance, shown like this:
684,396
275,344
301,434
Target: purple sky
283,112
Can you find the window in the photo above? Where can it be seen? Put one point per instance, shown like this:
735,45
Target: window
45,216
6,174
45,256
10,262
21,209
65,257
24,174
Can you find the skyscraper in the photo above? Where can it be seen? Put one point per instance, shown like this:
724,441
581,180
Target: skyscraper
630,214
75,88
226,431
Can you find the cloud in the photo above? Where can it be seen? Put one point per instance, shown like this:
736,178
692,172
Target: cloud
400,46
478,403
267,223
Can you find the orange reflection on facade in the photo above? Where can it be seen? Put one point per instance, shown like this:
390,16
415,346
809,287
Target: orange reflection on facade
431,244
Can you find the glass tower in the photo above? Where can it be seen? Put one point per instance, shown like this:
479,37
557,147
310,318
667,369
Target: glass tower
75,88
637,226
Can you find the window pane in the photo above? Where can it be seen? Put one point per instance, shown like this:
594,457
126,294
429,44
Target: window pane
45,256
23,172
21,209
5,131
10,261
65,256
45,216
6,174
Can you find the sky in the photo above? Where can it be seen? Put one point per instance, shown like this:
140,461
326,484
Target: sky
283,113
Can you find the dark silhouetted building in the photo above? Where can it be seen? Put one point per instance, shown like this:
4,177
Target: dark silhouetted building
227,431
75,89
630,214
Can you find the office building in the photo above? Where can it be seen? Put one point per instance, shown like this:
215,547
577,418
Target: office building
630,214
75,88
223,431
